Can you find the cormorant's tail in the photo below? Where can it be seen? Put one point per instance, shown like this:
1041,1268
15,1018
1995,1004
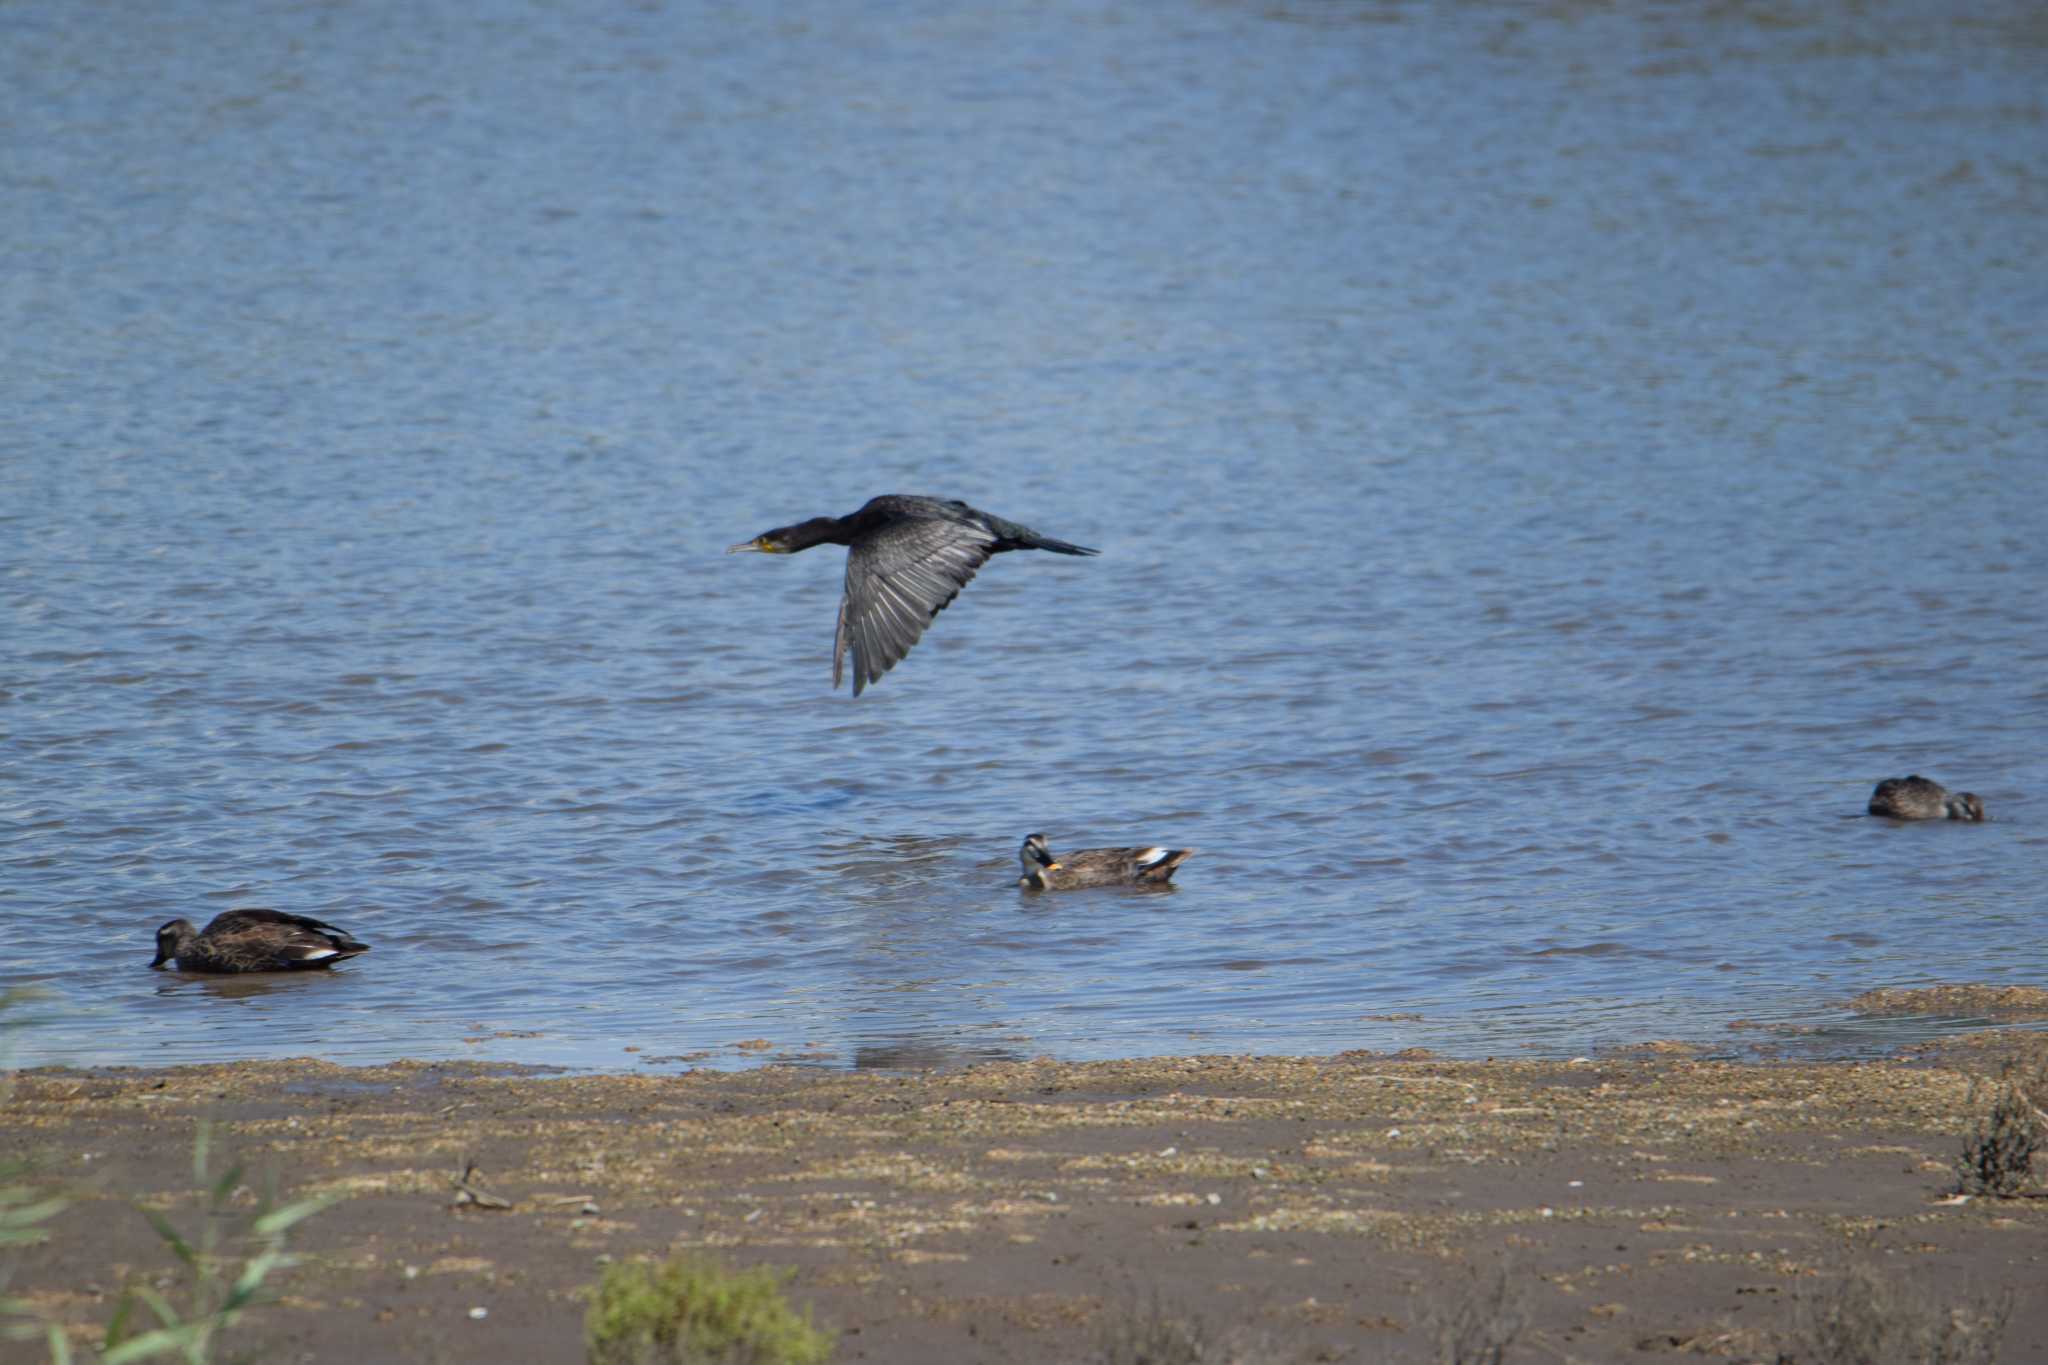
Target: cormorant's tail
1011,536
1031,540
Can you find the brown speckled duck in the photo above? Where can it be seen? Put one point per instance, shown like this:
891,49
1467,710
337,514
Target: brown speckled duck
255,941
1096,866
1917,798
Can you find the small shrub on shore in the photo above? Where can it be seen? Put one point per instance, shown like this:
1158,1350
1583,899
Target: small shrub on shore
1998,1158
1152,1334
1863,1317
694,1311
1480,1323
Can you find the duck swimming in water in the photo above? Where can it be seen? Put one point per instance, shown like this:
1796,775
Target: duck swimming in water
1918,798
1096,866
255,941
907,558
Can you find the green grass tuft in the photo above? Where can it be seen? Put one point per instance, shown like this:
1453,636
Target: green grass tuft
26,1203
224,1267
694,1311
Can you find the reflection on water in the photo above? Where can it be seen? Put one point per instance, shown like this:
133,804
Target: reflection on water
1547,468
246,987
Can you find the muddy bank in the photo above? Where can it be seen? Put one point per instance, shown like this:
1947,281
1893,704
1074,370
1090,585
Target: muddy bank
1324,1209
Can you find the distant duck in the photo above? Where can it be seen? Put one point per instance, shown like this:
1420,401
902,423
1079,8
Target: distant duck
1096,866
255,941
1917,798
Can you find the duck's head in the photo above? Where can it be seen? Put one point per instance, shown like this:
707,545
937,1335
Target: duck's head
174,935
1035,855
1038,861
1965,806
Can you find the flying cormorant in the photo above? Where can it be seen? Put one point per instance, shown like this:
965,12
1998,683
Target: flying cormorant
907,558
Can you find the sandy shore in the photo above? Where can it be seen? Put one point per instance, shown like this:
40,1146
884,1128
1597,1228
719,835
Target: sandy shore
1310,1209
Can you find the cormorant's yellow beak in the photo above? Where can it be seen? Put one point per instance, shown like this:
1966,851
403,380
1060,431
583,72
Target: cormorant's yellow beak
757,543
1052,867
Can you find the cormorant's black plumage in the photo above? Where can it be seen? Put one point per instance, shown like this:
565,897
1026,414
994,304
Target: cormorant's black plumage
907,558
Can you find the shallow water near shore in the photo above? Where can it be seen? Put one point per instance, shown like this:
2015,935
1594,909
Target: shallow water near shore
1547,469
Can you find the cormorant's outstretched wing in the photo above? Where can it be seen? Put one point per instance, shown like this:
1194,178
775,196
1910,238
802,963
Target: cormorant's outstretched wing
898,578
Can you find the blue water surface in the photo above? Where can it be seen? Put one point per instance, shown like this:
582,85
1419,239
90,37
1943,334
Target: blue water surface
1548,466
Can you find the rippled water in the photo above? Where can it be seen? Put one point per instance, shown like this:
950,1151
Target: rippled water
1548,466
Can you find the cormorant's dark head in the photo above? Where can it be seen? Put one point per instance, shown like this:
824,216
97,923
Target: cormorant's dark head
174,935
768,543
787,540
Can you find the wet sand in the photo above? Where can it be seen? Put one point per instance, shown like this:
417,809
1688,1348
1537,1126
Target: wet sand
1326,1209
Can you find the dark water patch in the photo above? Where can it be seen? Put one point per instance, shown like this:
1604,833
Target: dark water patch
459,901
1601,949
